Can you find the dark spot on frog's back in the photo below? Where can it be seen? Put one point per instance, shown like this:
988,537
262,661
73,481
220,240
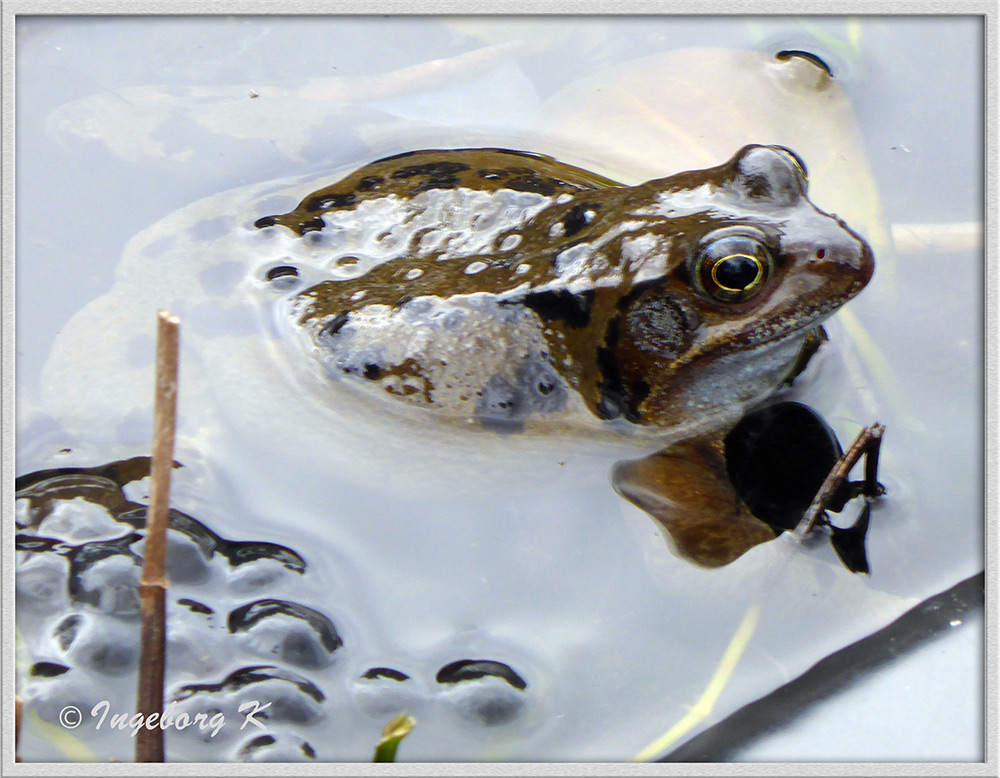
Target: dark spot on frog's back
531,182
578,217
329,201
432,169
435,182
561,305
314,224
369,183
332,327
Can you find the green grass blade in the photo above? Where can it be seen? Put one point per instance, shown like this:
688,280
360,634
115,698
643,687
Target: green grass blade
394,732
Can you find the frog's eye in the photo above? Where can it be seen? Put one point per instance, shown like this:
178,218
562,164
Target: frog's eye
734,268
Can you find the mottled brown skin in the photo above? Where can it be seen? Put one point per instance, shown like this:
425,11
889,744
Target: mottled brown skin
412,172
656,339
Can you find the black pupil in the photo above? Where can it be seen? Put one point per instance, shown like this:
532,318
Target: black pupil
736,272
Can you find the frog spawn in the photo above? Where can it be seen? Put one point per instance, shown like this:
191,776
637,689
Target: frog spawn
280,661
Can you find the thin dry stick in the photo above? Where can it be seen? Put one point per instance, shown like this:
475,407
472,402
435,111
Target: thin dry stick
18,707
866,442
153,582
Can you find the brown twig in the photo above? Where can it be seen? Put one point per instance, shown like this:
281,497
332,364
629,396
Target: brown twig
153,582
18,708
867,442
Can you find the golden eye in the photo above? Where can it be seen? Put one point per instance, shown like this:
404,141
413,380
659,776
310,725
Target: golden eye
734,268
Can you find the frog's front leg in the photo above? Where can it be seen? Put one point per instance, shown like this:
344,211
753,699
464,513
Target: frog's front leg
686,488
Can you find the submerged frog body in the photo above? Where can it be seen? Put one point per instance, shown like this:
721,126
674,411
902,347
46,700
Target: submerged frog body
513,289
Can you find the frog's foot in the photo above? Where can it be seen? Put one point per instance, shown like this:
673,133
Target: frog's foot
780,469
836,491
686,488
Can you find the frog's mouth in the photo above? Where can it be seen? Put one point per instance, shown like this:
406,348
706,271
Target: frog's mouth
794,324
760,333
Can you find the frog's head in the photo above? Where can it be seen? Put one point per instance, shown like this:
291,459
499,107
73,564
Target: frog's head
753,267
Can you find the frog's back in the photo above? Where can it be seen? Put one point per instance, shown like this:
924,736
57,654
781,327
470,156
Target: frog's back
419,252
410,173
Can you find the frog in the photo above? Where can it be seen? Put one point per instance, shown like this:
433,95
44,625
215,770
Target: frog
516,292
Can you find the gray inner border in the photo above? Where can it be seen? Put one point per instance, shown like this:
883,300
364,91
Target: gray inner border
988,9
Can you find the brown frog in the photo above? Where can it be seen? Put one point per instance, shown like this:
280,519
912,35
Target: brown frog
511,289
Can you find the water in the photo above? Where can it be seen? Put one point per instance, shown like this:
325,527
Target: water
424,546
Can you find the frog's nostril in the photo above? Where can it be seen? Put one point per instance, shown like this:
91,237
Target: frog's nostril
820,253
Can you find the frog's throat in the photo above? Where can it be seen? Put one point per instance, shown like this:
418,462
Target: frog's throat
713,393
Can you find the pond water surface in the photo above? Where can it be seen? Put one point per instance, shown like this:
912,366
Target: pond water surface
495,587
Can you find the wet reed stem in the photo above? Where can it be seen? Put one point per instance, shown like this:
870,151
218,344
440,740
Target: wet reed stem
153,582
